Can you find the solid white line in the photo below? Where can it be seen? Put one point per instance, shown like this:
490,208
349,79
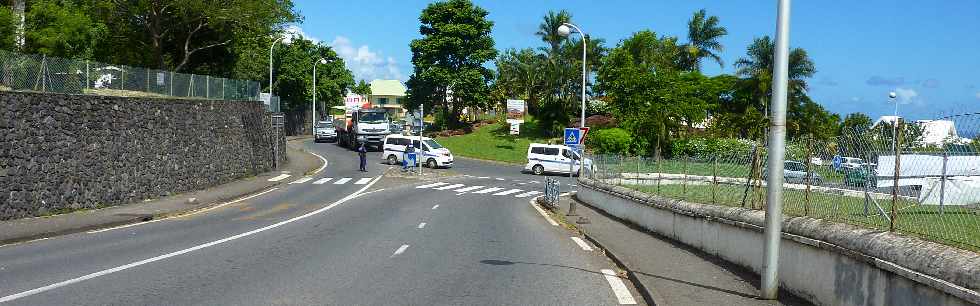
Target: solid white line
536,182
484,177
488,190
181,252
618,287
471,188
435,206
362,181
500,179
322,181
541,211
422,225
370,192
400,250
527,194
508,192
302,180
342,181
279,178
324,166
581,243
431,185
453,186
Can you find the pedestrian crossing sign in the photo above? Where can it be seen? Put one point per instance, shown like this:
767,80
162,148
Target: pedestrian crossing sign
572,136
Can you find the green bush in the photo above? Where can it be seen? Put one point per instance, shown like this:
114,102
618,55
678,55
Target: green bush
609,141
708,147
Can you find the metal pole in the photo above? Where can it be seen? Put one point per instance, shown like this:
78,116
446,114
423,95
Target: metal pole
313,126
171,83
942,183
898,166
777,148
207,87
87,82
270,66
418,156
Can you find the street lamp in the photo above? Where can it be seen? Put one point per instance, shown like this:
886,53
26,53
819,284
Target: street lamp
321,61
891,97
565,30
274,41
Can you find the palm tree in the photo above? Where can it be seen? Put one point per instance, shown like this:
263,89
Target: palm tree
702,35
548,29
757,69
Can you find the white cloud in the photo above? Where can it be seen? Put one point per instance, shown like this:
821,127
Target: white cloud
907,95
295,30
364,63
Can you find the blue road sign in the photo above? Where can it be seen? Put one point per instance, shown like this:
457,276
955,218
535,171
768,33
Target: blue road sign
837,162
572,136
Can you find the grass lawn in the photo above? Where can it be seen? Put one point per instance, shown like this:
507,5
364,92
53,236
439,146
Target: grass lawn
956,226
494,142
726,167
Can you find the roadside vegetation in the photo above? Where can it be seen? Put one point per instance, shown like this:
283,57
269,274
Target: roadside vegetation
494,142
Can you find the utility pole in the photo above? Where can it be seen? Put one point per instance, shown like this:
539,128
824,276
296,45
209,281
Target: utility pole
777,148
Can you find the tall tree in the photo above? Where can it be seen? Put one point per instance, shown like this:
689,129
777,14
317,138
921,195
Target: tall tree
449,59
757,67
548,29
520,74
362,88
294,70
856,123
62,28
703,33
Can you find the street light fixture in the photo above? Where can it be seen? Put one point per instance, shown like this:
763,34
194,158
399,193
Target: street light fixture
274,41
321,61
565,30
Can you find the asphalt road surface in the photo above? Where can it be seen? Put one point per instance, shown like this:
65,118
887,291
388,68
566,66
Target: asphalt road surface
339,237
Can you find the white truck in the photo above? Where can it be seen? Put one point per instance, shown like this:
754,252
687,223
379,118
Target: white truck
366,125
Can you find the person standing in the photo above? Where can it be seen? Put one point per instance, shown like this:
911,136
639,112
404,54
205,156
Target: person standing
409,149
362,153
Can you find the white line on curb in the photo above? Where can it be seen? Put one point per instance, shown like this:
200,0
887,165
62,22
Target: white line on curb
581,243
279,177
422,225
619,288
541,211
181,252
399,250
435,206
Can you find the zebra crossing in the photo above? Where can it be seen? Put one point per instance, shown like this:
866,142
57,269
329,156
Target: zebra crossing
324,180
479,189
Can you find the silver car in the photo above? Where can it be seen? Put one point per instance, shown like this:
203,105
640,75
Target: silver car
795,172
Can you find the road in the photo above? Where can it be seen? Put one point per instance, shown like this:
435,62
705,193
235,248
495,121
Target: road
337,237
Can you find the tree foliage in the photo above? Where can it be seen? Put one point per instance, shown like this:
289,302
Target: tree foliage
61,28
449,71
703,33
293,67
856,122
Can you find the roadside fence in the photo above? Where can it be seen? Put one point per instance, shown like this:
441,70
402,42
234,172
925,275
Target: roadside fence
924,182
40,73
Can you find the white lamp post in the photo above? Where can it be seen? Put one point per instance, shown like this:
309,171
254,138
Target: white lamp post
321,61
564,30
274,41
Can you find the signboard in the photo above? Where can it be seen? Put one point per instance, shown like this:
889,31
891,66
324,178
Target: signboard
353,102
515,128
572,136
515,111
837,162
161,78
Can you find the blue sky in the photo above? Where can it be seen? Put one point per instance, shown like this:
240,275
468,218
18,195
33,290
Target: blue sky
926,51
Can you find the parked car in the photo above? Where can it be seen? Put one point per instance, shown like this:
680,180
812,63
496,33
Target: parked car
324,131
796,172
860,177
396,128
434,155
851,163
544,158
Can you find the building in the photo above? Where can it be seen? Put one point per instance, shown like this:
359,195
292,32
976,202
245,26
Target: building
388,94
934,132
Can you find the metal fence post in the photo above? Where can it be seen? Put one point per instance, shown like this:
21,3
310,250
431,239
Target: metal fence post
223,88
898,165
714,179
122,84
147,80
207,87
88,82
171,83
942,184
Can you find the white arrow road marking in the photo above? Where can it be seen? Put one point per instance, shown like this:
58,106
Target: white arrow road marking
488,190
512,191
322,181
362,181
527,194
618,288
279,178
400,250
431,185
302,180
342,181
453,186
181,252
471,188
581,243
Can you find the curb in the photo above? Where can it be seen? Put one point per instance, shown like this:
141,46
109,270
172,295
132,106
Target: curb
489,160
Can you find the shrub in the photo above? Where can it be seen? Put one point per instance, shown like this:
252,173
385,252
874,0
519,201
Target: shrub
609,141
707,147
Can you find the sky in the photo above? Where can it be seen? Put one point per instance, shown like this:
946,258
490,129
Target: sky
927,52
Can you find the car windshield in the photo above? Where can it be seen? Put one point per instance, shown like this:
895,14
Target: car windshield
321,125
432,144
373,117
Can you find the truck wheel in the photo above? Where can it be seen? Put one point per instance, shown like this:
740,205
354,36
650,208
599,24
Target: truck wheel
537,170
431,163
392,160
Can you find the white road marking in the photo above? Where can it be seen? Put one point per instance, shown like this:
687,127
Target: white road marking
619,288
181,252
484,177
512,191
541,211
488,190
342,181
370,192
279,177
302,180
325,162
471,188
581,243
500,179
322,181
536,182
399,250
453,186
435,206
362,181
467,175
431,185
422,225
527,194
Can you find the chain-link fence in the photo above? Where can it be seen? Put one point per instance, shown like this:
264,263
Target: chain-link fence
930,188
31,72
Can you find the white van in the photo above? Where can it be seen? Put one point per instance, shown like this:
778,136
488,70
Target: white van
435,155
545,158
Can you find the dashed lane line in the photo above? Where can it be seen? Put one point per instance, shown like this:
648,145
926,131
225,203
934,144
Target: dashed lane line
435,206
453,186
488,190
400,250
422,225
512,191
468,189
623,294
527,194
581,243
431,185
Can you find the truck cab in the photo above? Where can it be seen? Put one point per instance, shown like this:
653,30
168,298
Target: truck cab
368,126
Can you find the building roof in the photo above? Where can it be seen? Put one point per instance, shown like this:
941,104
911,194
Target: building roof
387,88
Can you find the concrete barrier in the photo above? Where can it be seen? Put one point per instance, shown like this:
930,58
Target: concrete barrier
824,262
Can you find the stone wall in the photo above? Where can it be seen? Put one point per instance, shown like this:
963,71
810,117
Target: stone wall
65,152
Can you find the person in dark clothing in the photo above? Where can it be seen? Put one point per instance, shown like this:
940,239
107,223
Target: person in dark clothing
409,149
362,153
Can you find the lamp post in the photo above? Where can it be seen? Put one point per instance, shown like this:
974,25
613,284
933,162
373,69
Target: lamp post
564,30
274,41
321,61
891,97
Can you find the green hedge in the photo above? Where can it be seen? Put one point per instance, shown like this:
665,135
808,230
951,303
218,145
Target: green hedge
708,147
609,141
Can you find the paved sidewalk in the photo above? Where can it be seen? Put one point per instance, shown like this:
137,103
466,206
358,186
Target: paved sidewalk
12,231
672,273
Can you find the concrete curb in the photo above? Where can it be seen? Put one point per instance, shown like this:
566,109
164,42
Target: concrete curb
149,217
